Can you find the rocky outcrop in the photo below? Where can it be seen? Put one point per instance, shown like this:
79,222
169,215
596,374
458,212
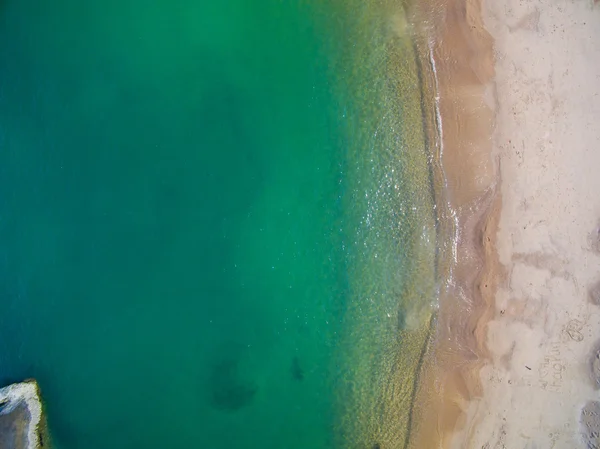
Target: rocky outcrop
22,421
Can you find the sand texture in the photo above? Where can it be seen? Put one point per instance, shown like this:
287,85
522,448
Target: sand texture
539,377
458,55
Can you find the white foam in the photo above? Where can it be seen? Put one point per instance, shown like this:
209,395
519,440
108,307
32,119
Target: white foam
27,392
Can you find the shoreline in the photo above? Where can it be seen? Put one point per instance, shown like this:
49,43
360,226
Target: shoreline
458,51
514,361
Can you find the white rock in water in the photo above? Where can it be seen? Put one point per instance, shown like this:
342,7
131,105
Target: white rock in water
21,402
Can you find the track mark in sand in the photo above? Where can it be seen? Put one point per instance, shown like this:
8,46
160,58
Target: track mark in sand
529,22
550,373
594,366
500,442
554,436
573,330
594,293
544,261
590,424
594,240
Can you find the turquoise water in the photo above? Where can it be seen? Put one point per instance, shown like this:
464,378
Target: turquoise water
183,244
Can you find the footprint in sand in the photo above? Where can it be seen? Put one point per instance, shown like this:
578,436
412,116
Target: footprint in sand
590,424
594,293
595,366
594,240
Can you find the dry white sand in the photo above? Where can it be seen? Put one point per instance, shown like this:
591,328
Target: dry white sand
541,386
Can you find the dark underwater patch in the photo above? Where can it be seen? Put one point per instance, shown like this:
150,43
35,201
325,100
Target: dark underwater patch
228,391
296,370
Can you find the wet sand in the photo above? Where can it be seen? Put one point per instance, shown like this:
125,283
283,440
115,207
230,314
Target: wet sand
515,361
458,52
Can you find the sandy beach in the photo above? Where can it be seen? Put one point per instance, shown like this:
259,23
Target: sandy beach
516,359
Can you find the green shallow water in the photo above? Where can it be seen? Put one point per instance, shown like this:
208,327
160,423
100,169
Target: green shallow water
216,223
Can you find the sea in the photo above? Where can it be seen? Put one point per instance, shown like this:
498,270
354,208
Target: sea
217,221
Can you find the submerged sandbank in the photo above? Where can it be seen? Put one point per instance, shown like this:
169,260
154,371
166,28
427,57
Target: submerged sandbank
515,361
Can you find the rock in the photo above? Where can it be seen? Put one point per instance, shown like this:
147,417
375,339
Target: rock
22,421
228,390
296,370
